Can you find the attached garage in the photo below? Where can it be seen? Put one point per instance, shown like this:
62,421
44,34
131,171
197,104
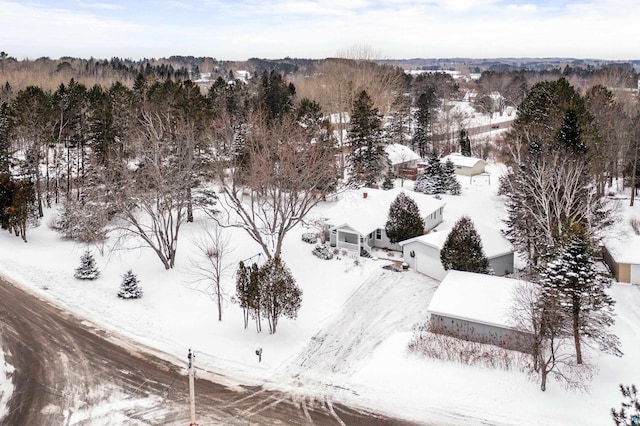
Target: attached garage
422,253
423,258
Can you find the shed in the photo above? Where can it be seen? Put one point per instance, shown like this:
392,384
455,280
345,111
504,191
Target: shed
622,256
478,308
466,166
422,253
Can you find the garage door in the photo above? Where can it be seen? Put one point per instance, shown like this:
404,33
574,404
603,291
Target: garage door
429,264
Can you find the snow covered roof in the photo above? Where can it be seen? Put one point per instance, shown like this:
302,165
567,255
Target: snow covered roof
623,243
494,243
365,215
485,299
399,154
461,160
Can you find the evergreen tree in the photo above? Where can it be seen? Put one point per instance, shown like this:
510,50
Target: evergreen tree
450,182
367,161
430,180
248,293
423,118
280,296
462,250
404,220
438,178
275,95
87,269
554,115
572,277
389,180
629,414
130,288
570,134
242,285
5,131
465,143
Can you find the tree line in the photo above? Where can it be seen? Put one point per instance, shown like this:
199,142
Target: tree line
564,152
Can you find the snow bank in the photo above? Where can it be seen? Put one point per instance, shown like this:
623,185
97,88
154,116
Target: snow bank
6,384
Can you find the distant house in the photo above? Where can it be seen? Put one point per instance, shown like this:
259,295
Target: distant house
423,253
403,160
356,223
478,308
467,166
622,255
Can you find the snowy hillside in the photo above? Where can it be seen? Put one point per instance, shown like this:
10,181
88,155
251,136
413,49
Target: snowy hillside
349,341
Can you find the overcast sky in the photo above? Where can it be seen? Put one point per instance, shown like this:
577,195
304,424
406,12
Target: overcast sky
240,29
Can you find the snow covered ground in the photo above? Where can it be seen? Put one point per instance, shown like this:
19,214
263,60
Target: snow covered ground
349,341
6,386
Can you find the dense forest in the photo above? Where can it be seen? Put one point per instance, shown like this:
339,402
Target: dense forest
108,139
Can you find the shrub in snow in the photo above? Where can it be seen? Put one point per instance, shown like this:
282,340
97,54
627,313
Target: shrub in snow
309,237
447,348
87,269
322,252
130,288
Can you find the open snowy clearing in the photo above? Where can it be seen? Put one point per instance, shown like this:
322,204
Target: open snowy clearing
349,341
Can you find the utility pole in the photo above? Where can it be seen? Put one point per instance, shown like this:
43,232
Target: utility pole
192,392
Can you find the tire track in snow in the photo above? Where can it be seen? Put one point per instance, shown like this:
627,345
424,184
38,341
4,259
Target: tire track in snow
386,303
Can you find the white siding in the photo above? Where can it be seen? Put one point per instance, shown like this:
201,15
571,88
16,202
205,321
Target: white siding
635,274
425,259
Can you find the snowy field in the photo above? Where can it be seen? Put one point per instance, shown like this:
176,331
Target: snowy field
6,386
349,341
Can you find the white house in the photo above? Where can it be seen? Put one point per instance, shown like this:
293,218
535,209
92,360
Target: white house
467,166
356,223
478,308
422,253
402,159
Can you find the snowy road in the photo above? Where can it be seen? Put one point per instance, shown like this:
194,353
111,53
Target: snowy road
69,372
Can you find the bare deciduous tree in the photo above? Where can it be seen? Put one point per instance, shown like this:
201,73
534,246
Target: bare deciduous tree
546,198
543,318
152,192
210,267
272,186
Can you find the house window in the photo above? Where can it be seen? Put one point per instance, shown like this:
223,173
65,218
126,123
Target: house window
371,236
378,234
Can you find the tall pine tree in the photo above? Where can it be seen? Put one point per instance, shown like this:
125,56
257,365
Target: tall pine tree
573,278
367,161
438,178
404,220
465,143
462,250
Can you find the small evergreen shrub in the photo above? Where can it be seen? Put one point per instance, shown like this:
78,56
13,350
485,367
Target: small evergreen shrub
130,286
87,269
